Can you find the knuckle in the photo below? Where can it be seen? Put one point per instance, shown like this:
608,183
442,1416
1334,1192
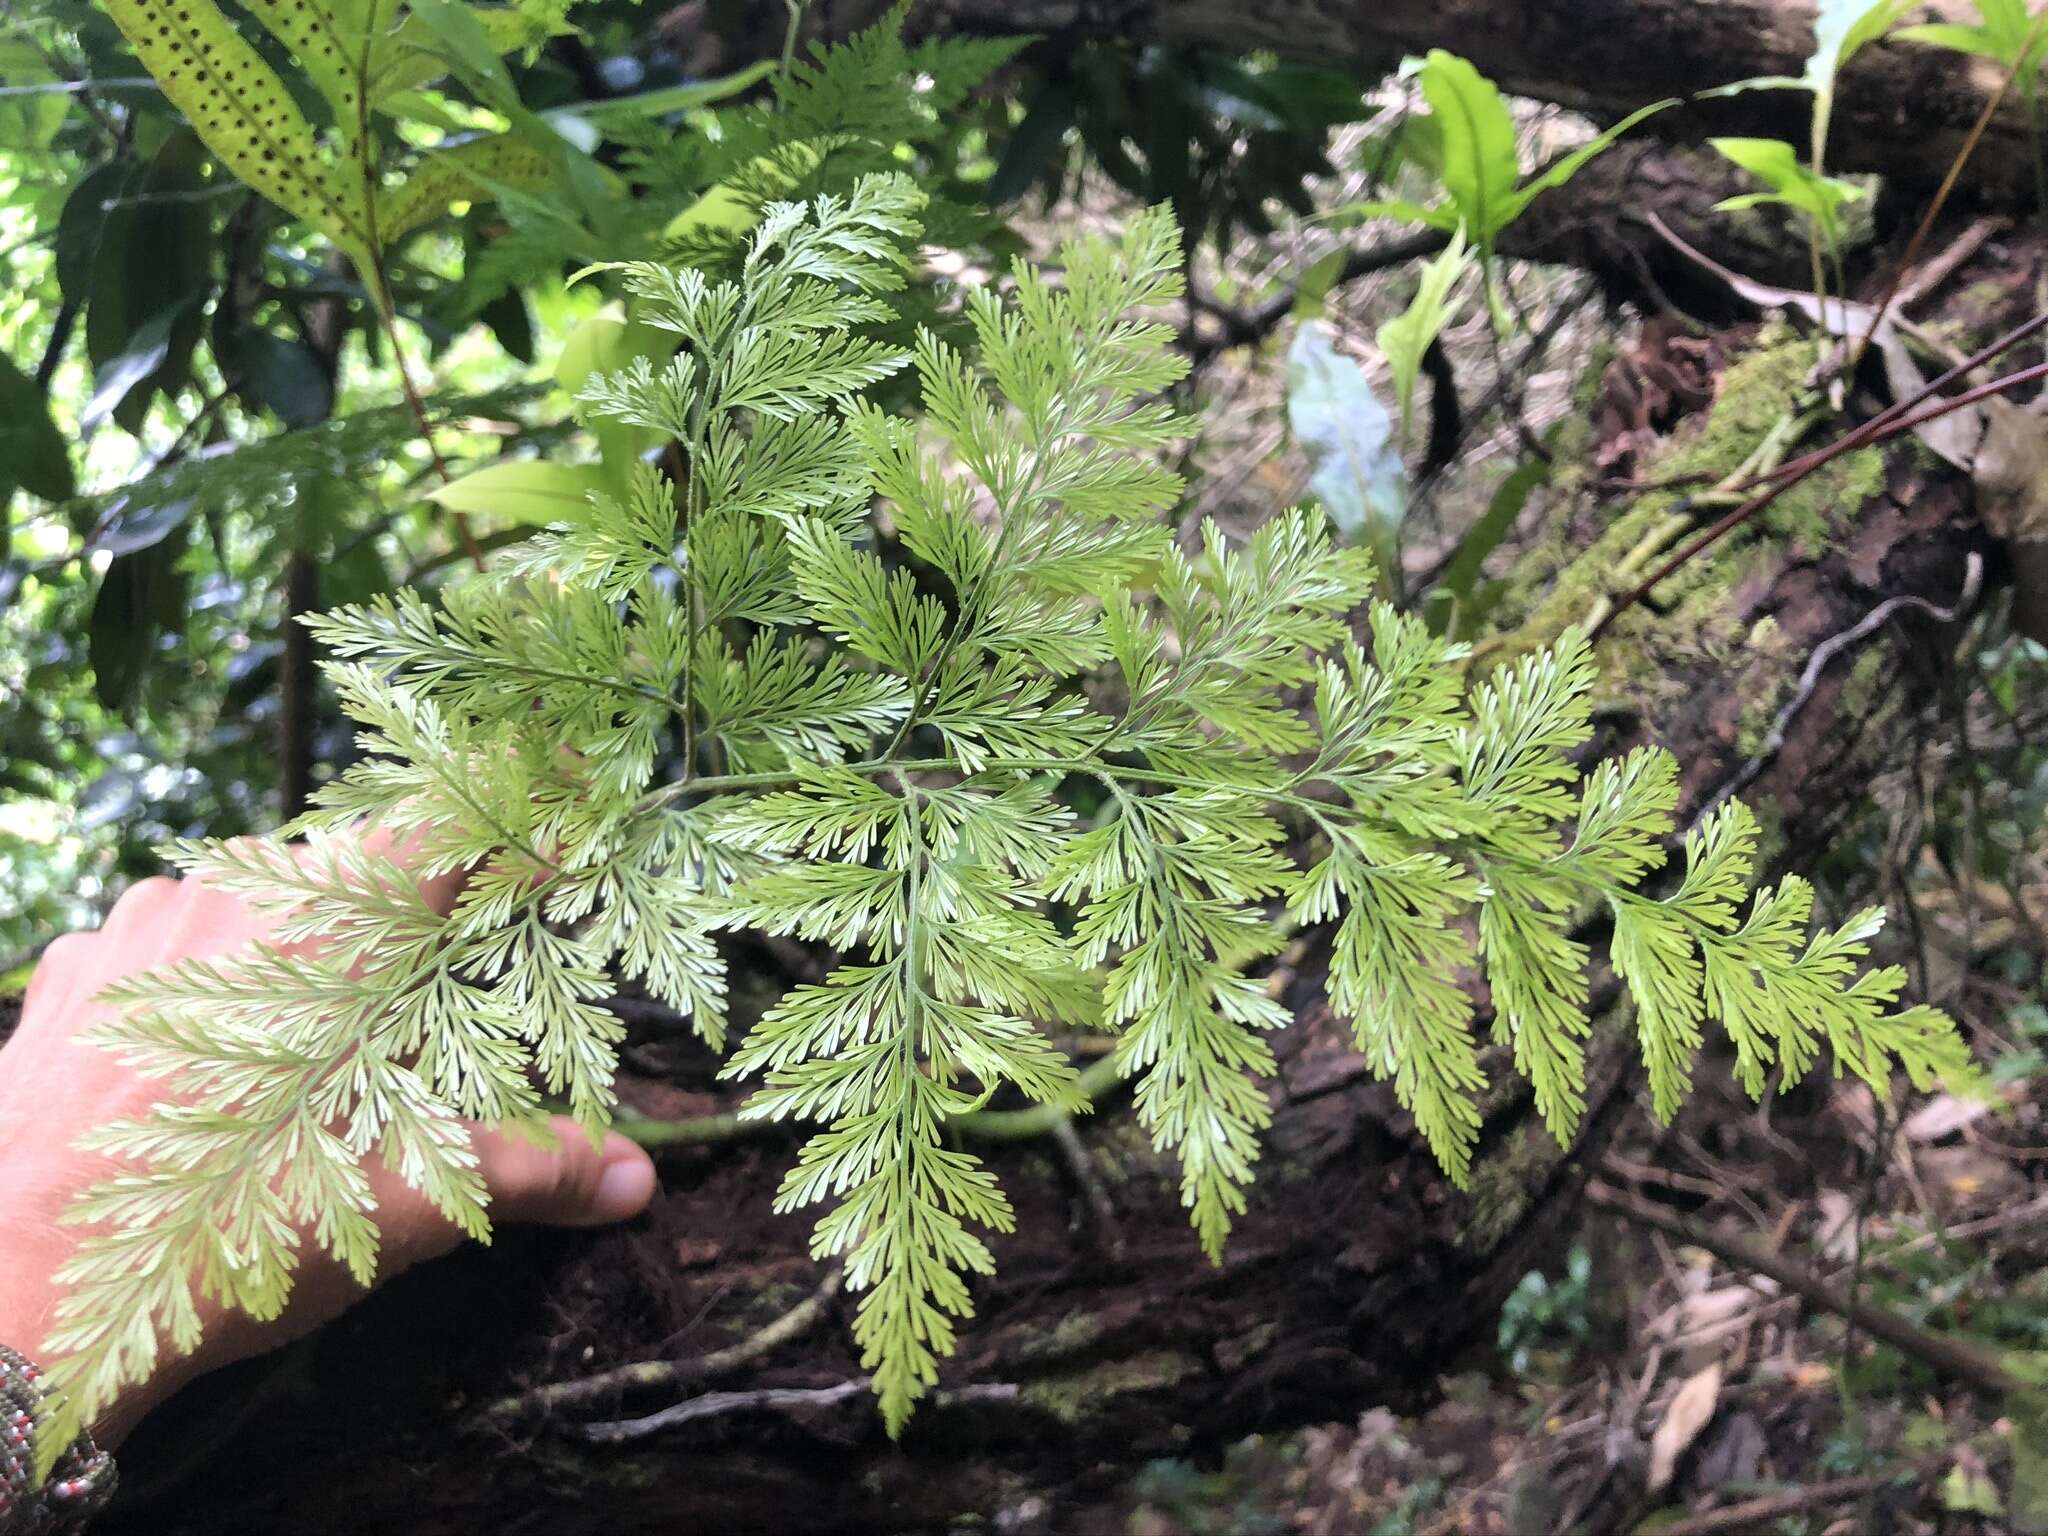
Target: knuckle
140,900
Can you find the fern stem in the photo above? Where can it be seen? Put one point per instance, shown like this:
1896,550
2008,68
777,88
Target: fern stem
1095,1082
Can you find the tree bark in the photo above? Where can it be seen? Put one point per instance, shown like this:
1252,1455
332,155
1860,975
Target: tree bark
1903,108
1357,1276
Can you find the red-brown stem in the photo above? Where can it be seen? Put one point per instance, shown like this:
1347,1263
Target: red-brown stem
387,314
1897,408
1948,183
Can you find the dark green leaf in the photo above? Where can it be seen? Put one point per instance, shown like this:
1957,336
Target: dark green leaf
133,365
507,317
32,450
1034,146
285,377
82,228
140,591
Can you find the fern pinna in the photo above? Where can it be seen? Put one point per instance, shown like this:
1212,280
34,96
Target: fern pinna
1049,770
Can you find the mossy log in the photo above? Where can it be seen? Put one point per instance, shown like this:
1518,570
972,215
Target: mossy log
1903,107
1358,1275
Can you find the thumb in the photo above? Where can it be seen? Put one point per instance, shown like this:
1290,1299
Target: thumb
571,1184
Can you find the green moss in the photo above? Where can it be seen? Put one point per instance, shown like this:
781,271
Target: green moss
1865,685
1557,586
1074,1334
1075,1397
1504,1184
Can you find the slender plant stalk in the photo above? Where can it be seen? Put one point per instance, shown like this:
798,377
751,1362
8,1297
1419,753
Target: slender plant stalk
1948,185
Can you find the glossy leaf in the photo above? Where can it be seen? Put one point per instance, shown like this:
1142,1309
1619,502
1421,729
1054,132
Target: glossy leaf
134,364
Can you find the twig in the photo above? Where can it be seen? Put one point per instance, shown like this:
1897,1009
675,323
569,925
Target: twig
715,1404
1883,427
1096,1080
1241,327
649,1374
388,315
1834,645
1754,1514
1956,1359
1942,266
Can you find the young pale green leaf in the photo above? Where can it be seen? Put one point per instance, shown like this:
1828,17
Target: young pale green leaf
1478,139
1841,28
1791,181
527,491
2004,32
1407,336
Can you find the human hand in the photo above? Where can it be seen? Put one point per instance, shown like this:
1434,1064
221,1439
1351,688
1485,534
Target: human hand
54,1089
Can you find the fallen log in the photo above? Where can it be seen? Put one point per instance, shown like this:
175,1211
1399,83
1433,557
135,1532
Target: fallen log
1903,107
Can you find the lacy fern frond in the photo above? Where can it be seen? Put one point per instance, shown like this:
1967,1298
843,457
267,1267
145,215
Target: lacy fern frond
1029,767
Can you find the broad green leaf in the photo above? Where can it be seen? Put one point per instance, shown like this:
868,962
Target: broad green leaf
724,208
1407,336
284,377
1479,168
468,172
1355,463
82,228
143,356
528,491
32,451
330,46
466,44
605,343
1468,143
242,110
411,54
1791,182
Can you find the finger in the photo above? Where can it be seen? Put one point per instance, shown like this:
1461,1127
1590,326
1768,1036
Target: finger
141,905
571,1184
401,846
56,976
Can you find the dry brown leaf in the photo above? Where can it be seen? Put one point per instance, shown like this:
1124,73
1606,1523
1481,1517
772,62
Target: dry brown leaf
1692,1408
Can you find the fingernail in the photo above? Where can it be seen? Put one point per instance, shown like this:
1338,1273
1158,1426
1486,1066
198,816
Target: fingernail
625,1186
